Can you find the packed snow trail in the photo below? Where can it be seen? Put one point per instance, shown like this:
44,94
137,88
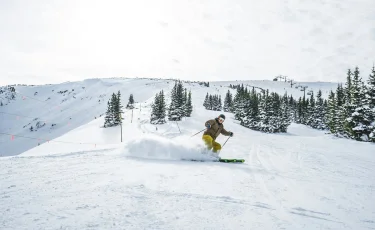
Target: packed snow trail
303,179
289,182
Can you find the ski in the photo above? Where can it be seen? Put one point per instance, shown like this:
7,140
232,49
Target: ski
218,160
231,160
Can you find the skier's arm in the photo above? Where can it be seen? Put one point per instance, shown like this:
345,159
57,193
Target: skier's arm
226,133
208,123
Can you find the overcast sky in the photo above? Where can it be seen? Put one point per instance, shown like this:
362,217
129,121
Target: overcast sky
50,41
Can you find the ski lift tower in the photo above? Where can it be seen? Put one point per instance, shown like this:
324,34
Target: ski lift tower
303,88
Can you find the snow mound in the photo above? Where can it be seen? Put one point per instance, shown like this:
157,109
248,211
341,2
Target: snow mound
157,147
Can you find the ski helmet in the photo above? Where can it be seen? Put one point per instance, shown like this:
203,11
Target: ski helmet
222,116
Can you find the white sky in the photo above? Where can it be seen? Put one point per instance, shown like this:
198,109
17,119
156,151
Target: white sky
50,41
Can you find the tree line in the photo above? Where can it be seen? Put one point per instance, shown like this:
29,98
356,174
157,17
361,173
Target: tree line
114,110
213,102
180,105
348,112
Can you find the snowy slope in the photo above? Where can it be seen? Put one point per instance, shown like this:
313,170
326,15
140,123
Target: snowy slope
64,107
303,179
79,103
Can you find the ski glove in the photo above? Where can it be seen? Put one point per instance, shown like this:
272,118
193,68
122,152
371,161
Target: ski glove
208,125
231,134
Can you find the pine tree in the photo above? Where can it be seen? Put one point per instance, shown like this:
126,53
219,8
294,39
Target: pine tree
325,109
184,103
219,104
177,107
254,110
158,112
130,104
292,109
347,107
264,113
299,111
370,95
210,102
239,104
155,110
311,110
206,102
114,108
331,115
118,110
172,111
275,113
228,102
189,106
285,114
214,102
108,115
358,122
356,89
318,120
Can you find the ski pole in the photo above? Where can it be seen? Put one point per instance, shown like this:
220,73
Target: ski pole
198,132
178,127
225,141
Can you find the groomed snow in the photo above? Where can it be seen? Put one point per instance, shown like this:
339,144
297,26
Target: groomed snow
303,179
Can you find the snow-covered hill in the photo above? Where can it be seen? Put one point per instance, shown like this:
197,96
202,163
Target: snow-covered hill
53,110
86,178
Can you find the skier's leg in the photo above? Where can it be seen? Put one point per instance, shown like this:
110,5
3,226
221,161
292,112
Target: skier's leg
216,147
207,141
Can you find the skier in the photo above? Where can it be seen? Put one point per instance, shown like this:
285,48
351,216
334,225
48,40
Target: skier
214,128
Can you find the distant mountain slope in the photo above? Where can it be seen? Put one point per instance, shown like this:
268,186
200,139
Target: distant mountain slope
49,111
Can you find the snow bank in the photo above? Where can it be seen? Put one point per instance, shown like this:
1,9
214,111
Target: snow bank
156,147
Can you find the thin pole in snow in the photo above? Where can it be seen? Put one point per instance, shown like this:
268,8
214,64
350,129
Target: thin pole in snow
121,125
178,127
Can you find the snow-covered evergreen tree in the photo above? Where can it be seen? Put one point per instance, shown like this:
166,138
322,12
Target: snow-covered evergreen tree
184,102
130,104
177,108
252,111
299,111
332,113
370,96
210,102
264,114
189,105
359,121
228,100
206,102
118,109
292,104
108,116
114,110
219,104
348,106
318,120
158,112
285,114
239,104
311,110
173,111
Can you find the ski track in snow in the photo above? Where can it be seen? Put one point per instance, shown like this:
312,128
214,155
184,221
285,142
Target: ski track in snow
303,179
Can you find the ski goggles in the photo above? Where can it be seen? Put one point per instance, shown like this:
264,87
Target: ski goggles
221,119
